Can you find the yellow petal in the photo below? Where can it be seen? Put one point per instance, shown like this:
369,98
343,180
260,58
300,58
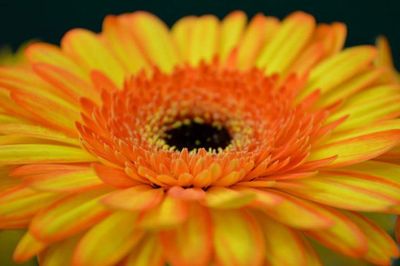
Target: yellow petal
171,212
350,87
190,240
117,242
36,131
347,192
339,68
384,57
182,35
226,198
123,45
357,149
137,198
381,247
20,202
73,181
283,245
309,215
87,49
148,252
42,153
62,117
232,28
27,248
204,39
238,239
69,86
388,171
282,50
51,54
8,241
369,106
59,253
153,38
260,30
69,216
344,236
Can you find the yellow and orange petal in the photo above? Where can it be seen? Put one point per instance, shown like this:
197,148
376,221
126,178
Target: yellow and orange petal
91,169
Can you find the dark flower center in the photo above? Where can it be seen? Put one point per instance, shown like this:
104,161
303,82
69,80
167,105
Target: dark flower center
194,135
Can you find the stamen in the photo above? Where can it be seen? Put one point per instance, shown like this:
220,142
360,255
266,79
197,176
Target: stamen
193,135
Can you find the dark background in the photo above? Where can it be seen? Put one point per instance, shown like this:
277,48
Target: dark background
47,20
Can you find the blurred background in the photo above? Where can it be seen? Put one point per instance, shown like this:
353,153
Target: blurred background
46,20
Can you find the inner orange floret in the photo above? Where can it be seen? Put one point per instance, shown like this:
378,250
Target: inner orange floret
267,133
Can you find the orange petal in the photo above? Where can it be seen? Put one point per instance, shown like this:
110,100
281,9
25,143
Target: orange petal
137,198
190,243
347,192
358,149
87,49
238,239
381,247
69,216
290,39
114,177
187,193
148,252
283,246
344,236
118,243
27,248
7,181
392,156
171,212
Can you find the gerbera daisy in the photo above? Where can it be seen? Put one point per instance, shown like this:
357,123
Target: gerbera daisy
213,143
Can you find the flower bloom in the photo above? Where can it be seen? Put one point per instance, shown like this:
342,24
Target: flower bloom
213,143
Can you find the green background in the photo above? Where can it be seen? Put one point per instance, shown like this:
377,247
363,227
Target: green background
48,20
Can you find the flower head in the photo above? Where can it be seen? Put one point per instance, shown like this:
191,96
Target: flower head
213,143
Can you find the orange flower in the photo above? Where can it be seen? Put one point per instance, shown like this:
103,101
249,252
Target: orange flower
213,143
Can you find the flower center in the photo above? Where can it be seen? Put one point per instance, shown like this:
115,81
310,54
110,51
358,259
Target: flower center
194,135
202,126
